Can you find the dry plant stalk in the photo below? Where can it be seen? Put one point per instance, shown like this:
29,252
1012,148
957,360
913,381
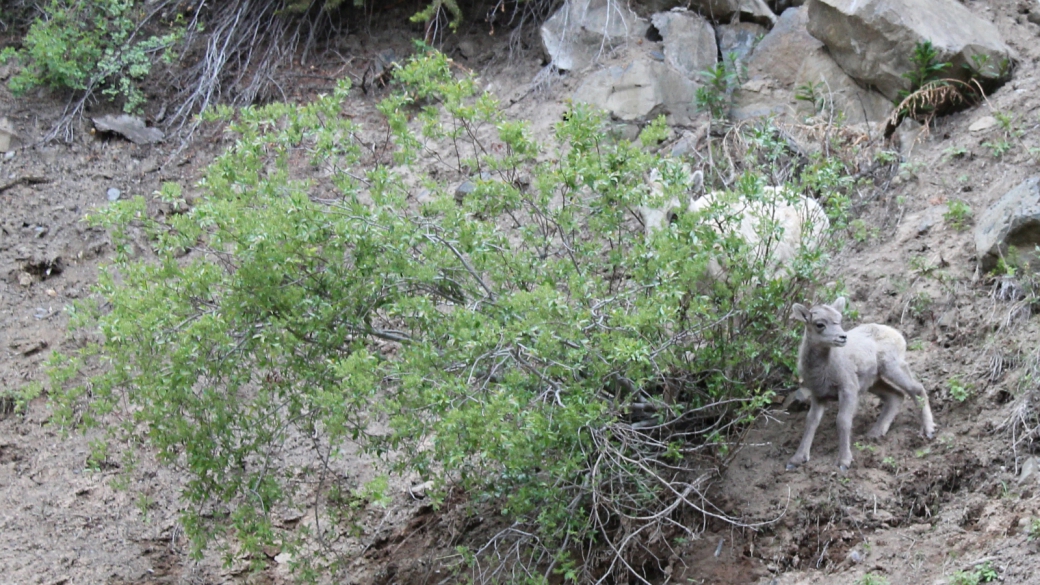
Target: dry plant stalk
932,99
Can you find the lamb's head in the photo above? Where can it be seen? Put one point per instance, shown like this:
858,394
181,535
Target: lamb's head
822,323
657,217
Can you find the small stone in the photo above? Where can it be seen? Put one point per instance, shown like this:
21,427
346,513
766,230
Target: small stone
25,279
283,558
1034,16
466,188
855,556
148,165
469,186
1029,469
49,156
419,491
982,124
113,194
9,155
9,139
424,195
799,397
51,292
467,49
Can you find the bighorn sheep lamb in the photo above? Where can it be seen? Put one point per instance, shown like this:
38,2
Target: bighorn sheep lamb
837,365
800,218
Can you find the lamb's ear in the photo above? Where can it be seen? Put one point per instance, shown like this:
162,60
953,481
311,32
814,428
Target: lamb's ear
839,304
697,181
800,312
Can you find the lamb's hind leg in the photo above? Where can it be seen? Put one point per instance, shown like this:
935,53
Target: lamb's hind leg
891,401
812,420
899,377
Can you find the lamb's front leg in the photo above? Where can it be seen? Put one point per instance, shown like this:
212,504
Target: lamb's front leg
812,420
847,402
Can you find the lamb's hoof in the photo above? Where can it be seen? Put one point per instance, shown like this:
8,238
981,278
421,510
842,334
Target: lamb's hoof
928,435
843,467
874,435
791,467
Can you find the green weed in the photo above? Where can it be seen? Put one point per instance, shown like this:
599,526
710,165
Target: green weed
721,81
958,215
872,579
959,390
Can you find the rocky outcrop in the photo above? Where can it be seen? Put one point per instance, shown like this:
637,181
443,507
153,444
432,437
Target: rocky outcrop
725,10
1010,228
689,41
640,89
872,40
789,58
582,29
738,39
654,81
780,53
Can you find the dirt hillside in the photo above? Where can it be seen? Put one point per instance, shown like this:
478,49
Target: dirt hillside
910,511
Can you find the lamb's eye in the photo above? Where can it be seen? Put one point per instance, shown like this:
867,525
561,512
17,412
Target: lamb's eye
820,326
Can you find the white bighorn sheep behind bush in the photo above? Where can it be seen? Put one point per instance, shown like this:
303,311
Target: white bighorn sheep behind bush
801,220
835,365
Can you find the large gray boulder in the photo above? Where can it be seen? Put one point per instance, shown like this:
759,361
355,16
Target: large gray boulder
873,40
1010,228
789,58
640,89
689,41
780,53
756,11
581,30
738,39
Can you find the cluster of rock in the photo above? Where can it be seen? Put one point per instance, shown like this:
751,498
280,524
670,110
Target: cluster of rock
854,52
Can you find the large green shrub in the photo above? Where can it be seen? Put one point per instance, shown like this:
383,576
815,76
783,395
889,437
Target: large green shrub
527,346
87,46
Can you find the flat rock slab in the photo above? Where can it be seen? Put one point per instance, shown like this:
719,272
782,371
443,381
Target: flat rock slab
130,127
1010,228
983,124
639,90
873,40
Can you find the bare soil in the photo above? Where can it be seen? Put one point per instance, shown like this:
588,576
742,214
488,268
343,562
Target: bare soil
910,510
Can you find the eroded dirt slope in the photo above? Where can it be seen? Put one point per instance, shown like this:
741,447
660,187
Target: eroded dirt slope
909,510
